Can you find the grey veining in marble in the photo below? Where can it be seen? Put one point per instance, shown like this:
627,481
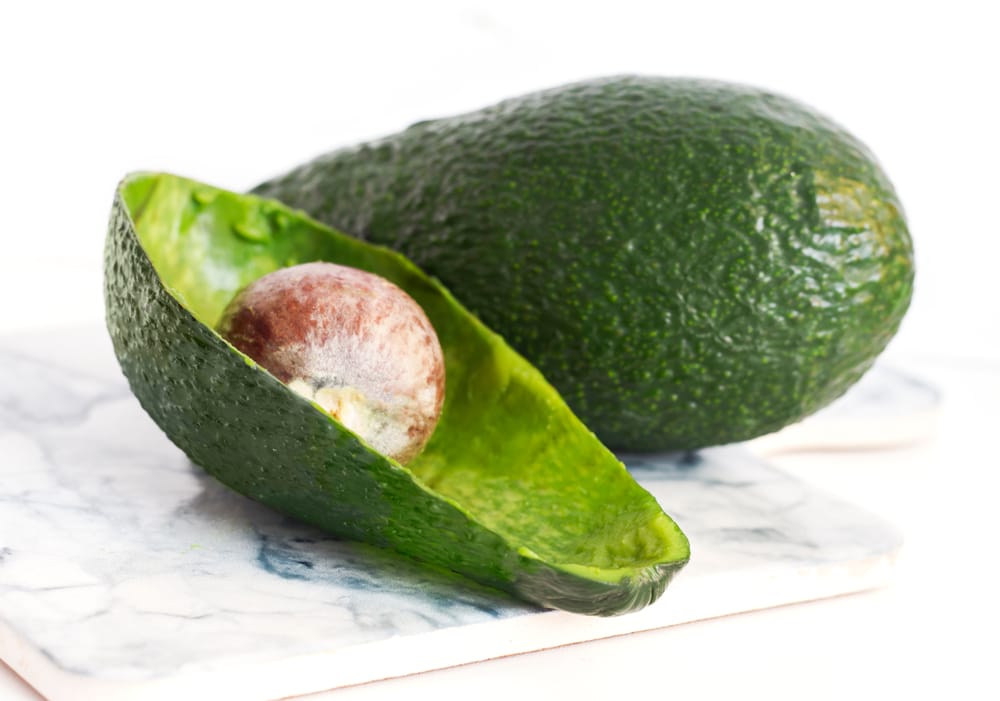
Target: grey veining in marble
120,560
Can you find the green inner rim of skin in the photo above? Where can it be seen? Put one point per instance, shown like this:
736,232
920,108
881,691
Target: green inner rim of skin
507,450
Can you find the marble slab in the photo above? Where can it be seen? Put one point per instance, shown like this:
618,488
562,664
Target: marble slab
127,573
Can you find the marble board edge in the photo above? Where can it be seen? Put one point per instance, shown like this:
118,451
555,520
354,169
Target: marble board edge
689,598
685,602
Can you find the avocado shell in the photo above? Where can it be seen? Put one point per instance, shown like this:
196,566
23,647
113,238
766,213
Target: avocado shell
512,490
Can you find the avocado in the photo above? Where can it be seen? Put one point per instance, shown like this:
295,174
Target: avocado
688,262
512,490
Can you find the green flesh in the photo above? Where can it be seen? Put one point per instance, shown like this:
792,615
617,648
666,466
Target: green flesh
690,263
512,490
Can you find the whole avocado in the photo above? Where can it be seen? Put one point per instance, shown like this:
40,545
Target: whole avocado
689,262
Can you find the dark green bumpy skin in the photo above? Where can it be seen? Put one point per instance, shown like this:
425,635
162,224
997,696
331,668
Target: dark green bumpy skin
525,523
690,263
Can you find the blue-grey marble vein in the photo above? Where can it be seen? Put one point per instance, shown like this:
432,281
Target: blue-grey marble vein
119,559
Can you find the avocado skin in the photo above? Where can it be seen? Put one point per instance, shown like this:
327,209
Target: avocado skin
690,263
254,435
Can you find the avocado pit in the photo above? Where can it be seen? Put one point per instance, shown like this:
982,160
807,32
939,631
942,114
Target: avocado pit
350,341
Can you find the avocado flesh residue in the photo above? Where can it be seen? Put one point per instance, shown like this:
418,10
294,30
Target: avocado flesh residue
512,490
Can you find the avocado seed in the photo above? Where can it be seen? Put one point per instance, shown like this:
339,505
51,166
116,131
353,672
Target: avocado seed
350,341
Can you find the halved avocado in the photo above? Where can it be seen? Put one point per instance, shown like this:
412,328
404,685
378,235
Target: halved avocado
512,490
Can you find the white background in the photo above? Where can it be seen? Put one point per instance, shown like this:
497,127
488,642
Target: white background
232,93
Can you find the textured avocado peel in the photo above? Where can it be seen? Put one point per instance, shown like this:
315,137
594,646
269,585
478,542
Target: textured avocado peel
512,490
689,262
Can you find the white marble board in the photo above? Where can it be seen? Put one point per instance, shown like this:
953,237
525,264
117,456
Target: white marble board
127,573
